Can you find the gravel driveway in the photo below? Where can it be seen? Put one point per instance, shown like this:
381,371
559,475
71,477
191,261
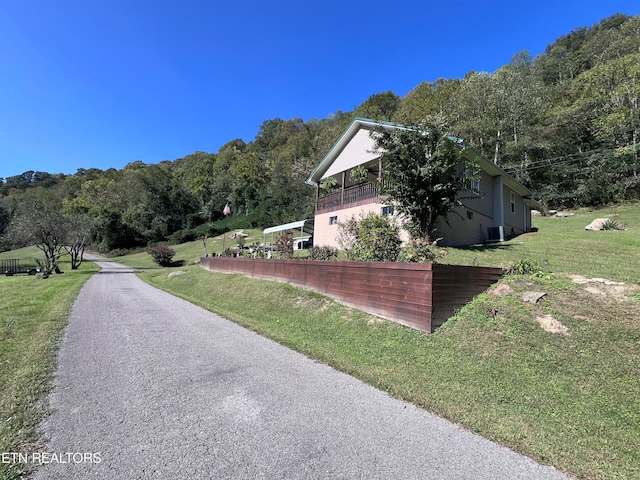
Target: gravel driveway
149,386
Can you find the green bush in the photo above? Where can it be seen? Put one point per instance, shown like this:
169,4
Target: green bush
377,239
162,255
522,267
612,224
419,251
323,253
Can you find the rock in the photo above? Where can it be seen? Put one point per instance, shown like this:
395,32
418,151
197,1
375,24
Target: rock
532,297
500,290
178,272
597,224
564,214
536,213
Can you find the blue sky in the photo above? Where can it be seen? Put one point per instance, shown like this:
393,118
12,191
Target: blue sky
100,84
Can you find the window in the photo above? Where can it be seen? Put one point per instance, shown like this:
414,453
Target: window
469,215
474,185
387,211
512,200
333,220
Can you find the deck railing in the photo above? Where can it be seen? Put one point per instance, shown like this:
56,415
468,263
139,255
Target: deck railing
351,196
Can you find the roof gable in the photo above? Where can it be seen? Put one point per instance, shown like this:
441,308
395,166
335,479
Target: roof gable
356,147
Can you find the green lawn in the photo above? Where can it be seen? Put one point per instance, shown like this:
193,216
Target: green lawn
569,400
33,314
562,245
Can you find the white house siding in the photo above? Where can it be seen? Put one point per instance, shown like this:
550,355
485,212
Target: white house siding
358,151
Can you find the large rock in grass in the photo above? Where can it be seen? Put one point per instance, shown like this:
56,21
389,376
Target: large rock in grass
597,224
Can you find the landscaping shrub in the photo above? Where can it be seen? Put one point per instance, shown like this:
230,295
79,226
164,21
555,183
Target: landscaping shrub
375,238
284,244
162,255
612,224
323,253
419,250
522,267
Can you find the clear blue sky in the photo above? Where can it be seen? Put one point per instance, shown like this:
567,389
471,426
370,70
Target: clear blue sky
103,83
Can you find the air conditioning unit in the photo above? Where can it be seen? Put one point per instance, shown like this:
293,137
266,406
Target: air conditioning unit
495,234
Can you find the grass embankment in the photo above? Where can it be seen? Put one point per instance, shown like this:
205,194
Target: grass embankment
33,313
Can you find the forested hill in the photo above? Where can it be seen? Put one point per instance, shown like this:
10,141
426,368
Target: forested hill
565,123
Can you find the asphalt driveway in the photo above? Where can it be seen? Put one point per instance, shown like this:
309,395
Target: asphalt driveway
149,386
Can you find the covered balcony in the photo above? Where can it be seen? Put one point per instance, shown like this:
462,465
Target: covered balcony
350,188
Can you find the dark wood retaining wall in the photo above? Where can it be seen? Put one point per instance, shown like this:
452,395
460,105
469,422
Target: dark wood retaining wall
420,296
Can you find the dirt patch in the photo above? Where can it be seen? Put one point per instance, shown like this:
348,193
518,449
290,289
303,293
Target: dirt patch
604,287
550,324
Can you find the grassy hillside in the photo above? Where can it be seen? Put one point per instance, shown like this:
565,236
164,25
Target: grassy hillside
562,245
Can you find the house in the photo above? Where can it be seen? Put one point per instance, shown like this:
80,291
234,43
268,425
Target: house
499,206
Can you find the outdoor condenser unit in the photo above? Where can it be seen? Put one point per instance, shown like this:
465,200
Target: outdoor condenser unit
495,234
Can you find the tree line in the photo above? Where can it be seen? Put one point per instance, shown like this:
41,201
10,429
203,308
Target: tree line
565,124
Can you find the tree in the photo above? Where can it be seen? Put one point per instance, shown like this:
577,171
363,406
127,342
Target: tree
423,172
79,231
41,222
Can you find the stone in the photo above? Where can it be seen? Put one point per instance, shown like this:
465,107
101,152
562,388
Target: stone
532,297
500,290
597,224
178,272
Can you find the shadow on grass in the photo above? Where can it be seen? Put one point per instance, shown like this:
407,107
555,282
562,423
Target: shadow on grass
487,247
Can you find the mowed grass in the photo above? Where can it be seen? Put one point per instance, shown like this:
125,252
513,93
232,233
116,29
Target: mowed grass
33,313
562,245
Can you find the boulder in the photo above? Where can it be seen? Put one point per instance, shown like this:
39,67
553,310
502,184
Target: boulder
532,297
501,290
597,224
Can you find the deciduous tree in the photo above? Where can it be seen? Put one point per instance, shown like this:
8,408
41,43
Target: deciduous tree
423,174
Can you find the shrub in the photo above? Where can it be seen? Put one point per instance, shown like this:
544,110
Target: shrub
522,267
284,244
162,255
419,251
323,253
348,235
377,239
612,224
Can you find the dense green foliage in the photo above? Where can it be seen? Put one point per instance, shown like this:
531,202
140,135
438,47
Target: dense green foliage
565,124
370,238
423,175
